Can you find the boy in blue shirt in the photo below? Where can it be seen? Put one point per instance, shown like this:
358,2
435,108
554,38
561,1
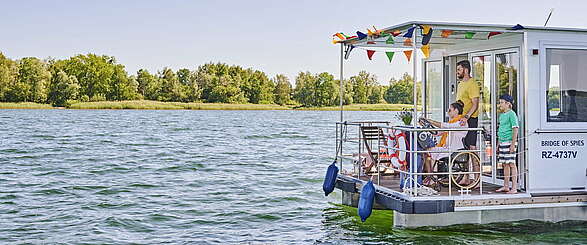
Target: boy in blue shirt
507,135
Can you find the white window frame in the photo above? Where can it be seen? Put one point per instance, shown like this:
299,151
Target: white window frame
544,45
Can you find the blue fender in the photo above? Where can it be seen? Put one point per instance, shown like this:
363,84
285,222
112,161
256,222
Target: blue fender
330,179
366,200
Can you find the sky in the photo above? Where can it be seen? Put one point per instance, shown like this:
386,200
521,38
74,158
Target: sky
277,37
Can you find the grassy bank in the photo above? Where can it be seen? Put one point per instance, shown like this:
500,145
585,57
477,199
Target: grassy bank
24,105
363,107
157,105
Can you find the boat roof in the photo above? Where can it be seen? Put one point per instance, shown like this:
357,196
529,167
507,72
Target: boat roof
458,30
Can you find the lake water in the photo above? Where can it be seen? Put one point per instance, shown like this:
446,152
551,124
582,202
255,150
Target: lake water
183,177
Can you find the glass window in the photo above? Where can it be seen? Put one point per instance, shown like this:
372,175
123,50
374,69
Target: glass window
566,90
434,92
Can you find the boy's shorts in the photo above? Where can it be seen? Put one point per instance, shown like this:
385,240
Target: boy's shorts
503,154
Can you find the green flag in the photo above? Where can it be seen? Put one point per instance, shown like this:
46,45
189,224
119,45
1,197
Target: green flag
469,35
389,40
389,55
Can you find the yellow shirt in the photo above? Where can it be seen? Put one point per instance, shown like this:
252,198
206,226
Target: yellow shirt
466,91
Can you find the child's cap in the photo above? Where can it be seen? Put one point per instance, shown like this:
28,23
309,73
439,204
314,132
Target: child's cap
507,98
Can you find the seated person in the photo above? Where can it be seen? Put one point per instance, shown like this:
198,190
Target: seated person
449,141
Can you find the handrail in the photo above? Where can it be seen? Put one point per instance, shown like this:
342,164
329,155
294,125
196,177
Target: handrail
411,174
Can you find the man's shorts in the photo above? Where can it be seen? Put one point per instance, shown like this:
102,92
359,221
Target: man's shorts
503,153
471,138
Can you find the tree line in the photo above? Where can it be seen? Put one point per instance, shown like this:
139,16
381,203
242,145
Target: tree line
84,78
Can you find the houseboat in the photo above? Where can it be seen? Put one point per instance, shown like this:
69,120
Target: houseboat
544,69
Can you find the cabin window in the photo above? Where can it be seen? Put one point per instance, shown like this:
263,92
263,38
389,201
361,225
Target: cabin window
566,90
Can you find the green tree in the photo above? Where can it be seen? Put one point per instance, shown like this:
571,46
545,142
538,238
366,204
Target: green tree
33,80
326,90
63,88
401,91
283,89
171,88
303,92
148,85
8,77
363,85
189,81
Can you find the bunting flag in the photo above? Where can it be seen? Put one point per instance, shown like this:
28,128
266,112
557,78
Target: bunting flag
517,27
493,33
446,33
384,34
369,32
408,42
396,33
426,50
348,51
340,35
336,41
469,35
361,35
389,40
370,54
426,29
377,32
427,32
408,54
410,32
389,55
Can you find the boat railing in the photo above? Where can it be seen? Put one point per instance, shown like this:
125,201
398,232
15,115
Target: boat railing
411,175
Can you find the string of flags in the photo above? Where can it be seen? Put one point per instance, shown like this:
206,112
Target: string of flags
426,31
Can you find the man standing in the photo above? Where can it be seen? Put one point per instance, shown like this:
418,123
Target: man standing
468,93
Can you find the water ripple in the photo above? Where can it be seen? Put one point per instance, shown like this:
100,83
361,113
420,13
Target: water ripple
194,177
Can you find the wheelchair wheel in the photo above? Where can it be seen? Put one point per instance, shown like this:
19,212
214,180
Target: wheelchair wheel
465,162
442,166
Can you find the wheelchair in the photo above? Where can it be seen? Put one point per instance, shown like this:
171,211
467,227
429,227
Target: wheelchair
458,162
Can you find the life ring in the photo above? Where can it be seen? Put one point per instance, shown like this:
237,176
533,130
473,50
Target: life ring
401,142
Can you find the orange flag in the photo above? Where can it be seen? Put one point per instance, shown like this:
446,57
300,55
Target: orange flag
446,33
370,54
408,54
426,50
408,42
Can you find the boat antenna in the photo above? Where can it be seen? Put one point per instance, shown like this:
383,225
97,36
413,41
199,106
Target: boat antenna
548,18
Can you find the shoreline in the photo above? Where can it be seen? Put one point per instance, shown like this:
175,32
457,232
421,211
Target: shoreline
158,105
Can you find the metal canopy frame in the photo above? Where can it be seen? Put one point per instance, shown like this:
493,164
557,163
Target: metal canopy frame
377,42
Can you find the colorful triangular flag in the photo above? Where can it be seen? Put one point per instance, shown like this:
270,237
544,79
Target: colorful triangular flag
426,29
408,42
389,55
396,33
370,54
426,50
408,54
340,35
389,40
361,35
410,32
427,32
469,35
517,27
493,33
384,34
446,33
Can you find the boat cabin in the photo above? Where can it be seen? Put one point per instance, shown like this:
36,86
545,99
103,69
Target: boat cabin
544,69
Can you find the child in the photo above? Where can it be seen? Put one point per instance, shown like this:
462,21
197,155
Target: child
507,135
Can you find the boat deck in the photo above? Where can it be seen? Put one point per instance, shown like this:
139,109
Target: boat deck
393,182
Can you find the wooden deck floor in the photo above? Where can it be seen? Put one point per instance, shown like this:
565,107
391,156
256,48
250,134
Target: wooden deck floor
393,181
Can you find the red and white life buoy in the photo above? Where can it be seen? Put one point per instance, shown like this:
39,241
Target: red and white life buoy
401,143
